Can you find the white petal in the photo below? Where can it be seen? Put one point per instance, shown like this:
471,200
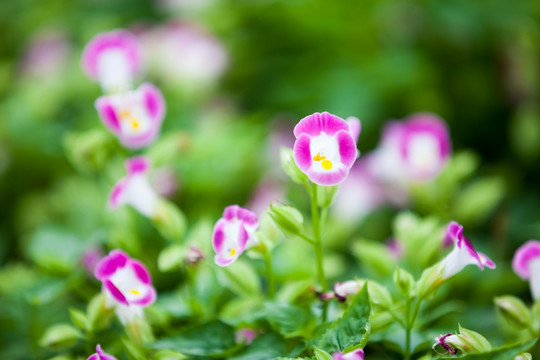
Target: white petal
113,71
534,267
141,196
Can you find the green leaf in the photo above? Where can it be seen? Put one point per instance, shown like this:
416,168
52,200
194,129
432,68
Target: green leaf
168,355
478,200
266,346
503,353
134,351
288,320
170,221
171,257
240,278
208,339
321,354
60,336
78,318
351,330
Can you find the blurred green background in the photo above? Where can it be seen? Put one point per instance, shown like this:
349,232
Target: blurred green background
474,63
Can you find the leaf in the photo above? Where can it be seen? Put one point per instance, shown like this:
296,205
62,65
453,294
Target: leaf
321,354
288,320
503,353
208,339
241,279
171,257
78,318
266,346
351,330
478,200
60,336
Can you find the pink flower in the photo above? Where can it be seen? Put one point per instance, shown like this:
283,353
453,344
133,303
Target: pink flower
90,258
245,336
357,354
135,189
135,117
233,233
324,149
113,59
101,355
126,283
414,150
463,253
526,264
47,54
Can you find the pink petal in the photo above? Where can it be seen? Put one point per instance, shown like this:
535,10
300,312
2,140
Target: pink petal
523,255
116,195
347,148
110,263
302,152
316,123
328,178
355,127
107,114
115,292
148,299
154,102
137,165
140,271
218,237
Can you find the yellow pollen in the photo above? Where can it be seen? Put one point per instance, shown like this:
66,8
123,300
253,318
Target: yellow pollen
232,252
135,292
135,124
318,157
326,164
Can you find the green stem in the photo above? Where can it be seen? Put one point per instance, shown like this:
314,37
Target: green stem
317,245
410,323
269,274
304,237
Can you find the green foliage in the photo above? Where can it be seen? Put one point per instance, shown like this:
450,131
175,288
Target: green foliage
503,353
352,330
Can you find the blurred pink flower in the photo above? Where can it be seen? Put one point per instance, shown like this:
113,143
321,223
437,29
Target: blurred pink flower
47,53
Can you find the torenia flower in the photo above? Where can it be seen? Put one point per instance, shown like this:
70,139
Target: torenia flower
324,149
526,264
126,283
414,150
135,117
467,341
357,354
233,234
112,58
245,336
463,253
101,355
135,189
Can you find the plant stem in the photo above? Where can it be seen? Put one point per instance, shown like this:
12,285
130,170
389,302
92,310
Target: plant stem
269,274
410,323
317,245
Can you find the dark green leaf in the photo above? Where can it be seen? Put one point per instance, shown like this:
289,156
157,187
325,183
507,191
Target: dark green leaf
266,346
288,320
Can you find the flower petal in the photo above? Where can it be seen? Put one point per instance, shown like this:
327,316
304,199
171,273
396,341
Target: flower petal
110,263
347,148
107,114
328,178
115,292
316,123
523,255
302,152
137,165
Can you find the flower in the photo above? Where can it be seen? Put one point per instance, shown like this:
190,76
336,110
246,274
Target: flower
112,58
90,258
415,150
135,117
101,355
467,341
441,340
126,283
134,189
357,354
193,256
324,149
245,336
355,127
463,253
526,263
233,233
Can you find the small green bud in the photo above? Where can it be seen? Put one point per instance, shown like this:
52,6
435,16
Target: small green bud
60,336
469,341
290,168
430,281
170,221
404,282
513,310
78,318
287,218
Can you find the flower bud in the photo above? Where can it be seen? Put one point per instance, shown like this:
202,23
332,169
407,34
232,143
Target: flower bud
430,281
290,168
169,220
404,281
513,310
524,356
287,218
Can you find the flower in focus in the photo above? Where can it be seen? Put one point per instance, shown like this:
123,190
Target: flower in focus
414,150
101,355
324,149
126,283
135,117
135,189
463,253
113,59
233,233
357,354
466,341
526,263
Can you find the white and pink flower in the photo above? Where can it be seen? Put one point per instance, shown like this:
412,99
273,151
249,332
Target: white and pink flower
233,234
101,355
112,59
463,253
357,354
126,283
135,117
324,149
526,263
134,189
414,150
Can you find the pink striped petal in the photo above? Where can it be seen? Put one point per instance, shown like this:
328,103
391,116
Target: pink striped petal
523,256
316,123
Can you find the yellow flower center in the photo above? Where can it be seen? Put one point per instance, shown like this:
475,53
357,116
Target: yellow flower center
326,164
134,292
232,252
126,115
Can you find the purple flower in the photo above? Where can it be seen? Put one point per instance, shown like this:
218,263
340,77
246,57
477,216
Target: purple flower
101,355
112,58
135,117
245,336
324,149
442,341
342,290
463,253
357,354
526,263
193,255
126,283
233,233
91,258
414,150
134,189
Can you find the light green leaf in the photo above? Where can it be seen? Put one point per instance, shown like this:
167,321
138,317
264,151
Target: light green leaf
60,336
